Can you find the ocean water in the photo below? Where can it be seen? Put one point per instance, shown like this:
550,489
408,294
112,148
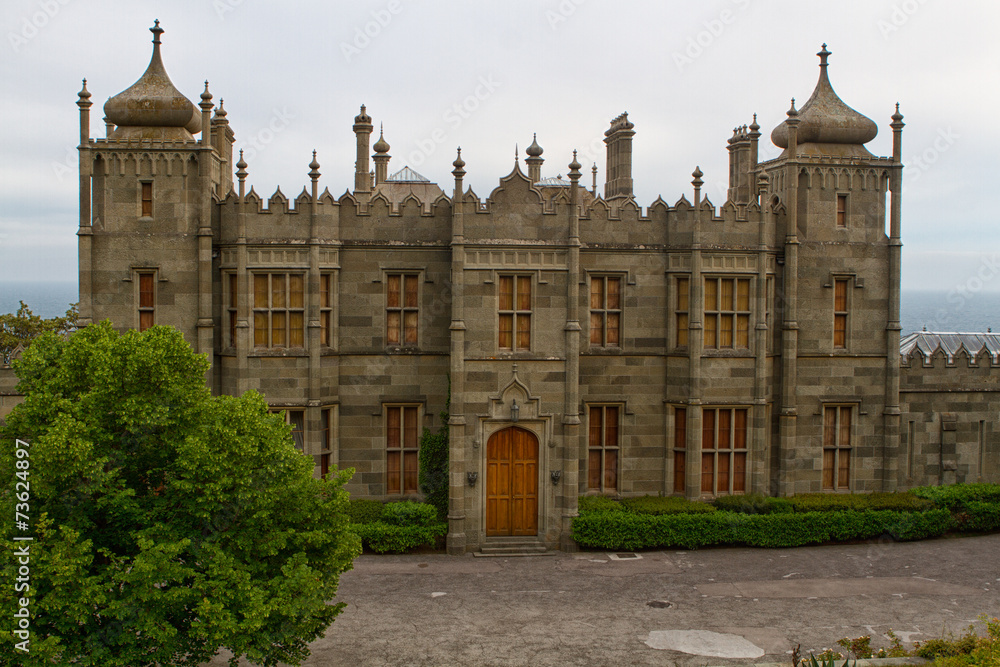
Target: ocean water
937,311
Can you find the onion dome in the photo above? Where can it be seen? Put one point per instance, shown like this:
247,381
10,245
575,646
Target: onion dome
825,118
381,146
152,107
534,150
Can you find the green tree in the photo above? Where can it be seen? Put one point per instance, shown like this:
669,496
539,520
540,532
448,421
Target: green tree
21,327
167,523
433,463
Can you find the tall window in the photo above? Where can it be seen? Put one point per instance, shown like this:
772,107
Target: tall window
326,417
401,310
605,311
147,200
841,210
401,445
278,310
297,418
723,450
233,296
326,310
840,313
602,463
515,313
727,313
681,313
836,447
680,448
147,300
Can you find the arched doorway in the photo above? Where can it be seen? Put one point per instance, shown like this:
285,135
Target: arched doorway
512,483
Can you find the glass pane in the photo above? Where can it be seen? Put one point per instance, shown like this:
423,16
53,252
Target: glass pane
722,480
324,291
726,301
506,293
295,330
680,428
739,472
277,291
595,427
324,332
725,330
740,429
596,296
707,472
679,460
613,328
524,293
844,469
594,469
611,470
392,292
410,470
392,327
743,331
392,473
724,421
743,295
410,428
611,427
295,290
596,329
232,328
145,319
829,427
392,428
682,294
840,330
614,293
682,329
710,335
146,290
523,332
711,294
845,427
277,330
260,329
840,296
506,332
828,456
410,327
708,429
260,291
411,291
297,419
233,292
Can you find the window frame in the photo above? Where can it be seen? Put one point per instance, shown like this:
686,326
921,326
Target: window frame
833,447
289,414
842,208
608,445
680,449
327,285
148,310
403,310
146,199
714,319
232,302
516,314
842,315
682,311
288,311
328,420
402,471
604,312
731,454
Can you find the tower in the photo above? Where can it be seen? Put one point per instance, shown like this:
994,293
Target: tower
534,160
363,132
618,175
381,158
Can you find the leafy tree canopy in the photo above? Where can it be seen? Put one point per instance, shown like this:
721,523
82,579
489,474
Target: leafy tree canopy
21,327
168,523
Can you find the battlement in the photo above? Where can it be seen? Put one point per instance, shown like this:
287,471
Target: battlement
928,349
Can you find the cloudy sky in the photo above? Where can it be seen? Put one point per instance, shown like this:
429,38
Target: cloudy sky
486,75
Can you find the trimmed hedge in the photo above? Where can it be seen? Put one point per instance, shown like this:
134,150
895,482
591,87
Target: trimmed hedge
364,511
658,505
957,496
609,530
394,527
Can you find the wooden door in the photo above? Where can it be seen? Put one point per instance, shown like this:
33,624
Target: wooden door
512,483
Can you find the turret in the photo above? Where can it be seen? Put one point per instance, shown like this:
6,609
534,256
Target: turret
381,158
618,175
534,160
363,131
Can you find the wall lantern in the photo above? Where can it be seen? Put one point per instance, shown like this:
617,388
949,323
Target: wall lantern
472,477
515,410
555,475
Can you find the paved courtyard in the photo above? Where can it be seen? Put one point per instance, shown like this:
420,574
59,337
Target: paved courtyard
706,607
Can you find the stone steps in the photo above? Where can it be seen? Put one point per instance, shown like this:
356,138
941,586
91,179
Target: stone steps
508,547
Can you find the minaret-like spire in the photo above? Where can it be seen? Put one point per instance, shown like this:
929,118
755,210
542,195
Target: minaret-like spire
793,130
697,183
534,160
593,186
363,130
241,174
206,116
823,55
381,157
574,169
897,134
313,167
157,31
84,103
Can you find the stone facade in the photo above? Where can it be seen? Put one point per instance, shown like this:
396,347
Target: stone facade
675,349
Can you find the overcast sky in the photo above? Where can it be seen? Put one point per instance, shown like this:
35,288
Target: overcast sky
486,75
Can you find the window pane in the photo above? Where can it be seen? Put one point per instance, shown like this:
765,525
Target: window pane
739,472
524,293
392,429
506,293
724,419
324,291
596,296
410,470
740,429
614,293
828,457
845,427
523,332
708,429
411,291
410,327
844,469
742,331
840,296
277,291
682,329
324,333
707,472
392,328
829,427
725,330
295,330
680,428
277,329
682,294
710,335
613,328
711,294
596,329
145,319
146,290
392,478
679,461
611,427
147,199
392,292
594,438
232,328
611,470
506,332
410,428
260,291
840,330
722,480
594,469
726,301
743,294
295,290
260,329
297,419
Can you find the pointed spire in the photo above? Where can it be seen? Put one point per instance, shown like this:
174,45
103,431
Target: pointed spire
896,117
157,31
241,167
574,169
534,150
458,172
381,146
313,167
220,111
206,98
823,55
792,111
754,126
84,95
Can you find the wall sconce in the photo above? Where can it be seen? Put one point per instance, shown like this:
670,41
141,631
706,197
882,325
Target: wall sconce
515,410
555,475
472,477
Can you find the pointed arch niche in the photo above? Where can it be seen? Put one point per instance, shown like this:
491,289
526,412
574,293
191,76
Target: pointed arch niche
501,414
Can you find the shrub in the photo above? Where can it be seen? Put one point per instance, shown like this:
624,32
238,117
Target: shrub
599,504
433,464
658,505
957,496
382,537
364,511
979,516
837,502
754,503
409,513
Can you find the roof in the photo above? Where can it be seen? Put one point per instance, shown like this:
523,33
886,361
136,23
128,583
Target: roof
929,342
554,181
407,175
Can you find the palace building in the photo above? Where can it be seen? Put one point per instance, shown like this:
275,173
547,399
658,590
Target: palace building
589,344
